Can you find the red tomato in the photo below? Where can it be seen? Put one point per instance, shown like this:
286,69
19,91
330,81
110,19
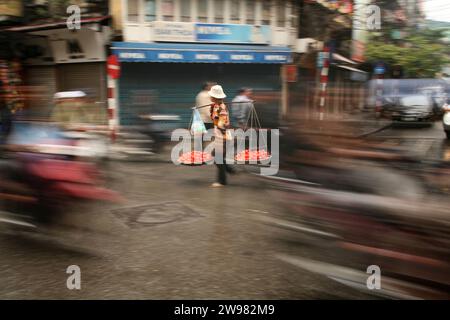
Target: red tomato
194,157
252,155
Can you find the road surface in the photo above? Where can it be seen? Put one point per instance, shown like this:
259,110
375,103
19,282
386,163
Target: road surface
177,238
420,140
174,238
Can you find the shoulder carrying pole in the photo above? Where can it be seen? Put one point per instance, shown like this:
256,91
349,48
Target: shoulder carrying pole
208,105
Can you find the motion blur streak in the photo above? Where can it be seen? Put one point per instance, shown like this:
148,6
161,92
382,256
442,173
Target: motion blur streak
342,194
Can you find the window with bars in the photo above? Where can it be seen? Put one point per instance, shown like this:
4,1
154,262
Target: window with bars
167,10
281,14
250,11
133,11
235,11
202,10
294,15
150,10
265,12
219,8
185,10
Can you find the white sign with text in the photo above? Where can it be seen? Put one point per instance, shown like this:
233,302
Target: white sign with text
174,31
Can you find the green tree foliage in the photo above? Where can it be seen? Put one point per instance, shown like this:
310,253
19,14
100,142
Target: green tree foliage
422,53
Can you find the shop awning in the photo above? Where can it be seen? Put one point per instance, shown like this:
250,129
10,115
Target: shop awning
338,57
350,68
199,53
53,25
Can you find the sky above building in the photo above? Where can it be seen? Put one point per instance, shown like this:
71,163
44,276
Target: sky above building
437,10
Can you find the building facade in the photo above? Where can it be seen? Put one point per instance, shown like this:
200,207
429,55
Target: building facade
143,19
53,57
171,47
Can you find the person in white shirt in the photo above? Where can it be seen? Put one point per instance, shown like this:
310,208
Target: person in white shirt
203,99
241,106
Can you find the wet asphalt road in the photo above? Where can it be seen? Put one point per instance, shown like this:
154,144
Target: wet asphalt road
423,141
173,238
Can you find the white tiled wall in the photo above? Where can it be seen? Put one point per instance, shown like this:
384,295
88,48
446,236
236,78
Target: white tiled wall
142,31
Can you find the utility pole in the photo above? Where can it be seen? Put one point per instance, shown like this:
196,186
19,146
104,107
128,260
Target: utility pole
325,67
324,81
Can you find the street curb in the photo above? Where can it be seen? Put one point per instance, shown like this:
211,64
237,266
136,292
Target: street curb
375,131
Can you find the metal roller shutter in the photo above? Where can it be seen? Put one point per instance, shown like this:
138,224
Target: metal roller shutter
87,77
171,88
41,83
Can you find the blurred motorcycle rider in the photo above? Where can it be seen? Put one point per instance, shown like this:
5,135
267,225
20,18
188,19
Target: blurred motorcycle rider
5,117
69,108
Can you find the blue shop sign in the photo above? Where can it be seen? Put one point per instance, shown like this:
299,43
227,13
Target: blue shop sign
134,52
232,33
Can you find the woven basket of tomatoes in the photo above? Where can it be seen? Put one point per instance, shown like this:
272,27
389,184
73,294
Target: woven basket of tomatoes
254,156
194,158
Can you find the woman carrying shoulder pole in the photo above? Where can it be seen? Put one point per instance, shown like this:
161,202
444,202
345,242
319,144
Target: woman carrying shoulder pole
221,120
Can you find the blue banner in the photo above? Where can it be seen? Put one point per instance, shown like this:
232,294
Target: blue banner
212,57
232,33
204,54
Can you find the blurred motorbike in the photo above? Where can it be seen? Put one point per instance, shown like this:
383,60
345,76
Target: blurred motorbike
44,173
146,139
83,120
352,206
446,119
346,233
159,127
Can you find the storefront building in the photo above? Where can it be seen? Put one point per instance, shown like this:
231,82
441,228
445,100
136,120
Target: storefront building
55,58
171,47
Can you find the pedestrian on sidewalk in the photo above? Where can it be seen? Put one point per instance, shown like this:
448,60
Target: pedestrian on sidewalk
241,107
220,117
203,99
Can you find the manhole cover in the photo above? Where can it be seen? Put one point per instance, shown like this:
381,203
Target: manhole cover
155,214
